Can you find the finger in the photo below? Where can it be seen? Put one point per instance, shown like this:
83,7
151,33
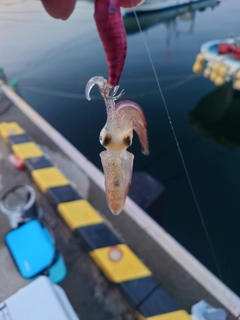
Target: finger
130,3
59,9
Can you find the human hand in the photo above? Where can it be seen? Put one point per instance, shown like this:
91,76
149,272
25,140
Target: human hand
62,9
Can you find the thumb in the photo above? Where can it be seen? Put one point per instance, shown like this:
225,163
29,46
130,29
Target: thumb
59,9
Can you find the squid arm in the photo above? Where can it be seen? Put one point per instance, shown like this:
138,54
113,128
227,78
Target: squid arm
133,114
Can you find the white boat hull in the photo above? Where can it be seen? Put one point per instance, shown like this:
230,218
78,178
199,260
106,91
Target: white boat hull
158,5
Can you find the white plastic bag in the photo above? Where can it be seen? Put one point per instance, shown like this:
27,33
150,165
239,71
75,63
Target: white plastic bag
204,311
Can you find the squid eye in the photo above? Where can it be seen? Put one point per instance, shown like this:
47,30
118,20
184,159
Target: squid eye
106,140
127,141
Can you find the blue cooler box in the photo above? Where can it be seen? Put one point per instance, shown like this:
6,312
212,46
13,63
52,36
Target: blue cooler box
32,248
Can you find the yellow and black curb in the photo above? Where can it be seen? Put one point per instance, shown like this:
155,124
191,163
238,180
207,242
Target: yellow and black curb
115,259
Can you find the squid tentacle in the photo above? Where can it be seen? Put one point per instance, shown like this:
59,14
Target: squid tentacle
100,81
107,91
132,113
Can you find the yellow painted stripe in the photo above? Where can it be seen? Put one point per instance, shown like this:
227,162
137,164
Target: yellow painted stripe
10,128
128,267
78,213
27,150
140,316
176,315
49,178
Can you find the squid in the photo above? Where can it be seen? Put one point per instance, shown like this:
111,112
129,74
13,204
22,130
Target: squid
116,136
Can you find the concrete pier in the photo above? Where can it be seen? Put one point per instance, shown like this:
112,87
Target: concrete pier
91,295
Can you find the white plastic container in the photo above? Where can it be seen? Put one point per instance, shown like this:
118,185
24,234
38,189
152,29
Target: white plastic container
39,300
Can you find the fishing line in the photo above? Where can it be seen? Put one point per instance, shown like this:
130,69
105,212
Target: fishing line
51,53
77,95
72,95
181,77
179,149
60,93
181,82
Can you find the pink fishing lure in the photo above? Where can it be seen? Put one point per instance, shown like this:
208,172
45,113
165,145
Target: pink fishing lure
113,35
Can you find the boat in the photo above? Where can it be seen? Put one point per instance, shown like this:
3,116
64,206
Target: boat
220,61
152,18
158,5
